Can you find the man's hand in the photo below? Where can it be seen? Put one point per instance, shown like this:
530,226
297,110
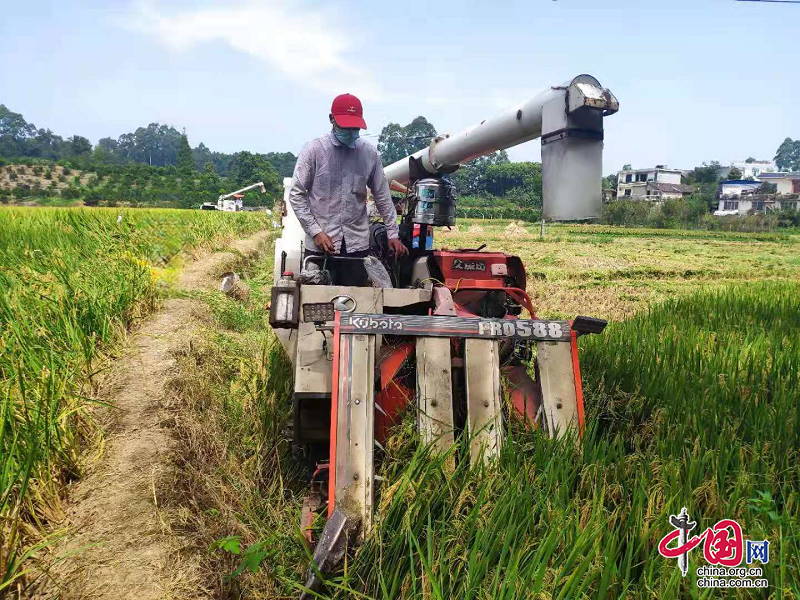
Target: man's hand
324,242
397,247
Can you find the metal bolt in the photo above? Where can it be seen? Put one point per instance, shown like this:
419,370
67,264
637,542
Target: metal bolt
434,403
486,403
559,405
358,401
355,476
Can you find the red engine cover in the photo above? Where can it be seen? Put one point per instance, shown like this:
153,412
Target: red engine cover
487,269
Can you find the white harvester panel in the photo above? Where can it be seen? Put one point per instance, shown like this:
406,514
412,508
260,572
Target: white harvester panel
355,427
435,392
559,395
484,403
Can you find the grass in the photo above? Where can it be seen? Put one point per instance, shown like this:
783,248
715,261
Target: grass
239,489
72,282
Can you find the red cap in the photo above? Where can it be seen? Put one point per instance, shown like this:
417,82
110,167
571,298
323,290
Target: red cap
347,112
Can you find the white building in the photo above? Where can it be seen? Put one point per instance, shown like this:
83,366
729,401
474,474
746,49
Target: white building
656,183
786,183
738,187
742,205
754,168
740,197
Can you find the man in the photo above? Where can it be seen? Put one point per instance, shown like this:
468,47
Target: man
329,192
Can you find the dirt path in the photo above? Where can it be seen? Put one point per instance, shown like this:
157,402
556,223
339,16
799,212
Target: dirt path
120,544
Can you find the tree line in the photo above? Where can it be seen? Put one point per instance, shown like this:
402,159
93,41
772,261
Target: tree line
153,164
156,145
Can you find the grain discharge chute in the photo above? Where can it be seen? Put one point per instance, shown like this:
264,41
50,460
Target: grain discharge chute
447,330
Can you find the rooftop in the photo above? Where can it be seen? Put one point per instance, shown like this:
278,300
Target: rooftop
670,188
656,168
782,175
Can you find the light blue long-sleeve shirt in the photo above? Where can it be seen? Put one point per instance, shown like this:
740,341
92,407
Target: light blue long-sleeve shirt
329,192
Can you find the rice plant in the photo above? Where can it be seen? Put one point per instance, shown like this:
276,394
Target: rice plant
693,403
71,283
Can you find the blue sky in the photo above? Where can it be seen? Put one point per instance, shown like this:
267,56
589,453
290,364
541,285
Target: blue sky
697,81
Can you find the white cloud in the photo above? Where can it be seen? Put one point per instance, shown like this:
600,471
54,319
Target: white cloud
300,42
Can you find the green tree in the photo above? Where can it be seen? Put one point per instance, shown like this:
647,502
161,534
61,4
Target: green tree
184,158
469,178
787,157
79,145
209,180
707,173
283,162
15,133
609,182
155,145
248,168
397,142
520,181
734,173
46,144
201,156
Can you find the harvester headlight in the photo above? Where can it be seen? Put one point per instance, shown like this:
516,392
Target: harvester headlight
318,312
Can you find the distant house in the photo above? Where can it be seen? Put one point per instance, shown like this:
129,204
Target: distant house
668,190
754,168
742,205
609,194
655,184
786,183
739,197
738,187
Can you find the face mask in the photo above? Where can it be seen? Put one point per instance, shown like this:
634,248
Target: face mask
347,137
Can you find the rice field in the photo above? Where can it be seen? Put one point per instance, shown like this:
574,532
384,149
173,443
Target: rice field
692,400
693,403
691,394
72,281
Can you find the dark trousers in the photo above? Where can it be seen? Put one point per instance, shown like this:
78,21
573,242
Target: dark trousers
343,272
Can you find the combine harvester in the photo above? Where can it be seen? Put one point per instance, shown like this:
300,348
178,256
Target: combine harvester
232,202
449,328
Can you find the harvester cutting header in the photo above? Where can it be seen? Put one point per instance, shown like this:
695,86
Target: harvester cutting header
374,331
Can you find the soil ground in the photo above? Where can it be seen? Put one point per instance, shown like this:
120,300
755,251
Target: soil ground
119,543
